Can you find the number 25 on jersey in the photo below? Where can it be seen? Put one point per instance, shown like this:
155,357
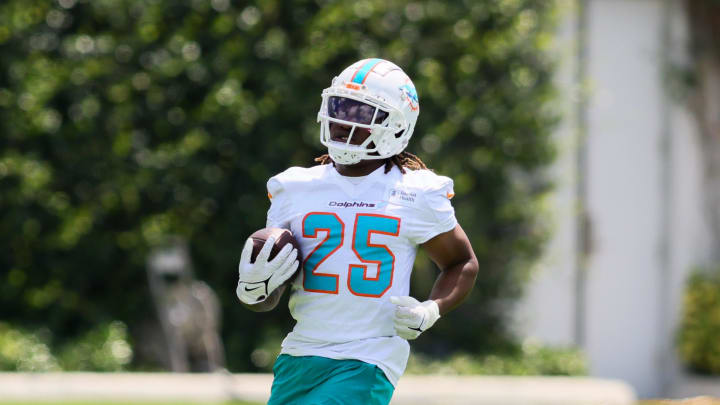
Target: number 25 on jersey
367,253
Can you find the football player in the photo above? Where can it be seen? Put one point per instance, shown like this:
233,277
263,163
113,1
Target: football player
359,217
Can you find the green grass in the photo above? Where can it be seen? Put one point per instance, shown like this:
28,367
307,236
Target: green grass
645,402
129,403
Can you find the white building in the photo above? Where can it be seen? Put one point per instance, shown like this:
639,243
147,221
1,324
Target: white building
630,155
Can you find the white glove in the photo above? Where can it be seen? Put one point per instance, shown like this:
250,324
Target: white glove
258,280
413,317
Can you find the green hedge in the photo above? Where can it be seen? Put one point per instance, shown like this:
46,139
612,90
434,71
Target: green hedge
528,359
103,348
125,121
25,351
699,333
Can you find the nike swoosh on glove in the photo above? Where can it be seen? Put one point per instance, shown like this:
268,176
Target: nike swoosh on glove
258,280
413,317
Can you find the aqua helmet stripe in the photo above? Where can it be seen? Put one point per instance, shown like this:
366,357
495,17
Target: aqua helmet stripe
361,75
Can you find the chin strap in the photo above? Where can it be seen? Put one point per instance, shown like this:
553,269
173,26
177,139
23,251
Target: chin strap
342,157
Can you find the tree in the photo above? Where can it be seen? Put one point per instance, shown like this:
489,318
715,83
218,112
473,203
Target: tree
126,121
704,23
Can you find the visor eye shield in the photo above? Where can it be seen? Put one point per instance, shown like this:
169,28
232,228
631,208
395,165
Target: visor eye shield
348,109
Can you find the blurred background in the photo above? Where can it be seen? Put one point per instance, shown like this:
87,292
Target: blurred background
136,137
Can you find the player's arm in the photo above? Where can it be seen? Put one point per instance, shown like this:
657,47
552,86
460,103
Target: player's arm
277,217
452,252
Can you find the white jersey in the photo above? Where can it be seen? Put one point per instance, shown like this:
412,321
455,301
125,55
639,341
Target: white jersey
358,243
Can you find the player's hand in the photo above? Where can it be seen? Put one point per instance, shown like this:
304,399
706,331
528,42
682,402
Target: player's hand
413,317
258,280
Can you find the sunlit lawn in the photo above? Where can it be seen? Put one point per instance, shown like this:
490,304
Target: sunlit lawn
692,401
648,402
129,403
644,402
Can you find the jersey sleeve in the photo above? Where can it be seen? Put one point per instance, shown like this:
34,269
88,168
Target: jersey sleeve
278,215
436,214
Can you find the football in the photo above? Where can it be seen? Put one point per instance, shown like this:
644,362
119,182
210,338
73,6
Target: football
282,238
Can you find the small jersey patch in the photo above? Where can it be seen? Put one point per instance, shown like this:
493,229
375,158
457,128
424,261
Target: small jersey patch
402,197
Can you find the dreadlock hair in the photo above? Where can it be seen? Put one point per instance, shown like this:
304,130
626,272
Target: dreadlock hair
401,160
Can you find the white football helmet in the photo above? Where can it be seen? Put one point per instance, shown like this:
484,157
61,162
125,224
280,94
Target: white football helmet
374,94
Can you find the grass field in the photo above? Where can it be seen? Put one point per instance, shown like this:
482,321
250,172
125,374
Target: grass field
700,401
647,402
130,403
691,401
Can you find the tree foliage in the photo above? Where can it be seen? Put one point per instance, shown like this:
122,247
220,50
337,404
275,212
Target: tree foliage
697,85
125,121
700,323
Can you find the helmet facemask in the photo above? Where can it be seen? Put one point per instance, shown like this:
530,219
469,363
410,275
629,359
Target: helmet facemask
360,111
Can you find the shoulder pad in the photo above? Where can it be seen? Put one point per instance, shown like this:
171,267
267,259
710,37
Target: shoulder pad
294,176
426,180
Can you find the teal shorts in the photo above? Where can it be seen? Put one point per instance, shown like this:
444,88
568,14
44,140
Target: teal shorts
313,380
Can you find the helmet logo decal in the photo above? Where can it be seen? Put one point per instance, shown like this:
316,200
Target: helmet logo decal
408,92
362,73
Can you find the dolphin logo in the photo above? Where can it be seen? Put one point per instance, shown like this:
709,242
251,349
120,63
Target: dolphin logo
409,92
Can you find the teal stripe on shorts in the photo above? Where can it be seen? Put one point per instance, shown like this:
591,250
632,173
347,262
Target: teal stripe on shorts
313,380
